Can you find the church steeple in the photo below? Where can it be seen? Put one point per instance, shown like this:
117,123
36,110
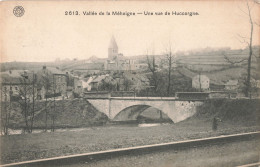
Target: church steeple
113,43
112,48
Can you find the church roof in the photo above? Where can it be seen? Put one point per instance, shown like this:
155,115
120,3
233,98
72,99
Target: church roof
113,43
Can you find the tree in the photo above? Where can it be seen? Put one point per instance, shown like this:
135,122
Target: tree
5,110
248,83
26,97
249,42
107,84
170,58
152,67
253,82
45,82
126,83
34,97
53,114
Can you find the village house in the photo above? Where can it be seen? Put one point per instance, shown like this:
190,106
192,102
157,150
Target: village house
231,85
56,78
86,84
15,82
200,82
77,86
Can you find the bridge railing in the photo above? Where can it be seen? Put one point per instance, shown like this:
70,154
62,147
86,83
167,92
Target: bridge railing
105,94
97,95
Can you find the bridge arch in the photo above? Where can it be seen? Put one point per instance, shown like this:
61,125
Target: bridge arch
133,112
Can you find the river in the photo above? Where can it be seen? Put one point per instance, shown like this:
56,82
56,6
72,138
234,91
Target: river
142,125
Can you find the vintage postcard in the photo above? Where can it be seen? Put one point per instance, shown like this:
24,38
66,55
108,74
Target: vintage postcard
130,83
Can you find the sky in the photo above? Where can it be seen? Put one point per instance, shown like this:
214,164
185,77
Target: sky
45,33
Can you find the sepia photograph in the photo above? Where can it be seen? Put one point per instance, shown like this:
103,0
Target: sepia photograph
113,83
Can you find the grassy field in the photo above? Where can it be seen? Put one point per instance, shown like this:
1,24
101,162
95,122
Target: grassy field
35,146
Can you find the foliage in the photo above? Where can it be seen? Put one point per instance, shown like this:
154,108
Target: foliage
107,86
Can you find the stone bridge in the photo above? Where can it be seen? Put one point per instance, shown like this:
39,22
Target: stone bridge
177,110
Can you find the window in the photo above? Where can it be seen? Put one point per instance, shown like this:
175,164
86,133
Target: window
11,88
16,88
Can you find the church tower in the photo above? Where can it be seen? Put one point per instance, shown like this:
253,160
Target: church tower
112,49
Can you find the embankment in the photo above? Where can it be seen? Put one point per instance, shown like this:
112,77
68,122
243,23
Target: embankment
67,113
234,111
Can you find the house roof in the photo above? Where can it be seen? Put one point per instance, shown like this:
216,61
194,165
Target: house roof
13,73
9,80
14,76
201,76
231,82
55,71
99,78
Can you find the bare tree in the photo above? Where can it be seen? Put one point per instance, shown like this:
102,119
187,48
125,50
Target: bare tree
25,94
152,67
46,84
5,110
232,62
170,58
248,84
249,42
54,103
34,97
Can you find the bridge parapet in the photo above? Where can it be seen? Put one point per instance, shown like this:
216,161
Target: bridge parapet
143,98
106,94
97,95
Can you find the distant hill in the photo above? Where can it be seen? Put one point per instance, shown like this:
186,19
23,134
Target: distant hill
217,60
26,65
210,61
218,66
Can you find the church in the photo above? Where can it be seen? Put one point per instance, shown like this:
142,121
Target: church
116,61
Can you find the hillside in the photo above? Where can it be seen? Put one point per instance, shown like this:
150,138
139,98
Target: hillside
216,56
236,112
221,76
